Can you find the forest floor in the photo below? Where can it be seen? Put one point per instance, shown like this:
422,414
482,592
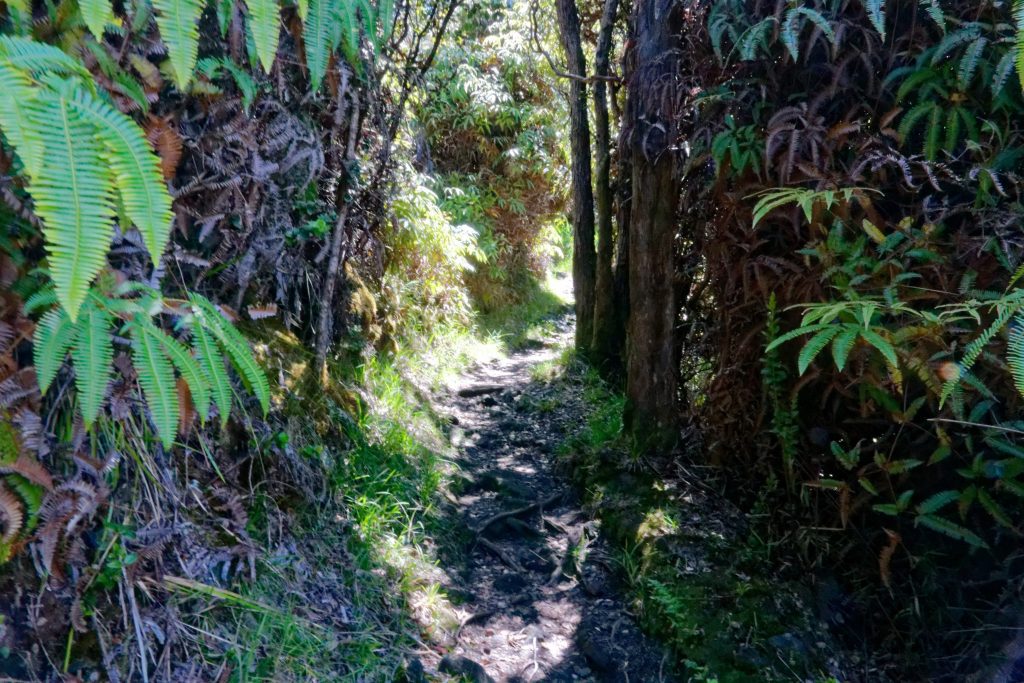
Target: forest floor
569,552
536,583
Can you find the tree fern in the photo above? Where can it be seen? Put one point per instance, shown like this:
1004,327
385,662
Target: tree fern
92,352
178,23
156,377
73,195
96,14
265,23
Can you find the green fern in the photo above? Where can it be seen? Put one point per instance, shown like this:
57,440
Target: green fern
187,367
265,23
212,364
1018,22
92,352
317,34
16,117
54,335
73,195
156,377
136,170
1015,353
96,14
234,346
179,29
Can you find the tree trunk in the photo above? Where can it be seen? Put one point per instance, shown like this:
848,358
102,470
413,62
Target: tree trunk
652,375
584,259
607,335
623,216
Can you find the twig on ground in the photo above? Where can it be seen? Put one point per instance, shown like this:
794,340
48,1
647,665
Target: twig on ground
526,509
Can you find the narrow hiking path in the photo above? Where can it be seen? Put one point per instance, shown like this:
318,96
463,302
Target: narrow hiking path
538,585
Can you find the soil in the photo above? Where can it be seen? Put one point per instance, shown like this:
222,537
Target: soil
538,583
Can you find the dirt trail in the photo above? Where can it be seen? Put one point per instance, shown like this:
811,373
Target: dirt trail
538,581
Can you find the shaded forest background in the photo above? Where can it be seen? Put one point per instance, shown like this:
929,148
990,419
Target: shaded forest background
242,242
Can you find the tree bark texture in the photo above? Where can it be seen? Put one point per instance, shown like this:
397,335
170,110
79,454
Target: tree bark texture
607,335
652,372
584,264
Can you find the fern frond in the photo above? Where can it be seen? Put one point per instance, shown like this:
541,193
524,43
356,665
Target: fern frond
179,29
317,34
73,195
1002,72
973,350
932,8
54,335
843,344
188,367
39,58
16,117
12,514
876,13
1015,353
953,40
235,347
96,14
815,346
156,377
1018,22
969,62
212,363
944,526
93,353
136,168
265,23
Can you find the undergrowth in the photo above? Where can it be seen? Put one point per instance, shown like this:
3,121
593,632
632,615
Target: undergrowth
700,578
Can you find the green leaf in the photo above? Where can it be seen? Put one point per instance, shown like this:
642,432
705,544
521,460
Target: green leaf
156,377
54,335
190,371
936,502
93,353
994,509
136,168
944,526
884,347
179,29
265,23
793,334
815,345
96,14
317,36
235,347
212,364
16,117
843,344
73,194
